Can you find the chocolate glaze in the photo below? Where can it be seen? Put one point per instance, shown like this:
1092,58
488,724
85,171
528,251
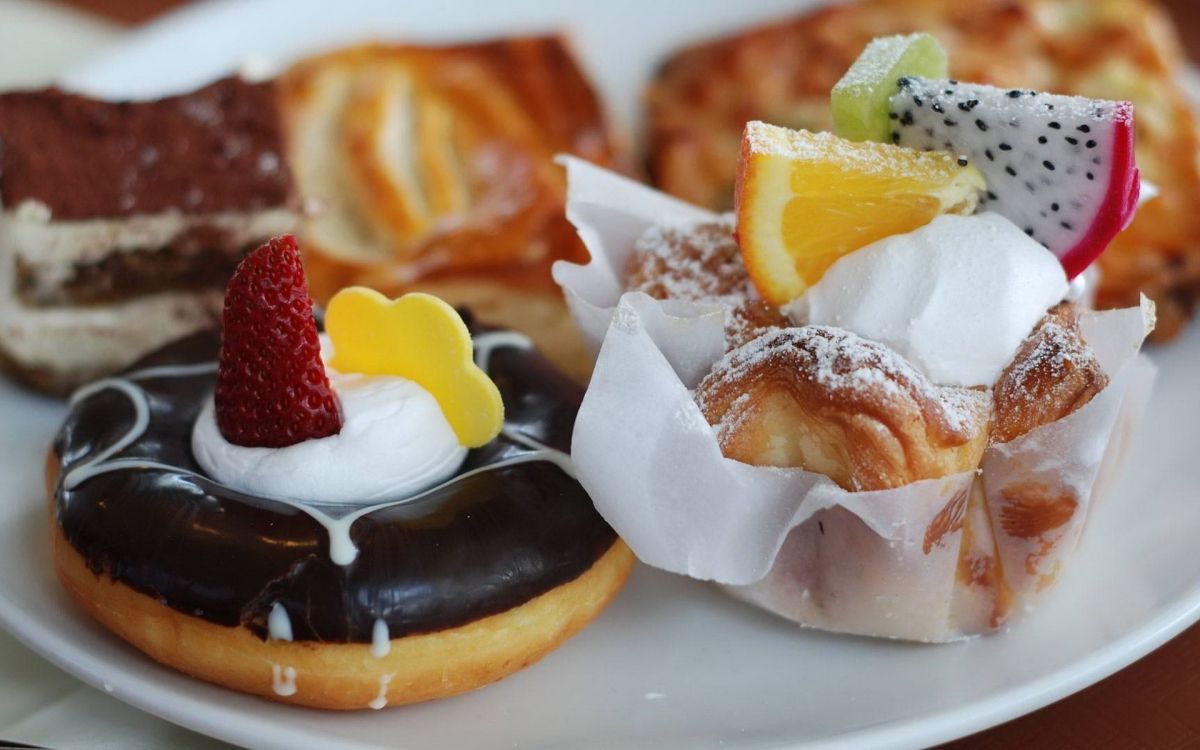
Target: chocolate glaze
475,548
219,148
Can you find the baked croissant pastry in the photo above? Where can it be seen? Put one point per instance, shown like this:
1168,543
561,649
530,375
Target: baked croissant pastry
828,401
699,262
1053,374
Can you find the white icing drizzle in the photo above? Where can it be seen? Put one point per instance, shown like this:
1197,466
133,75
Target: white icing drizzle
380,700
342,550
542,451
279,625
100,463
381,639
486,343
283,680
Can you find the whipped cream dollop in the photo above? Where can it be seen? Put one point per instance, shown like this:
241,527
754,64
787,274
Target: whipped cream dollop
394,443
955,297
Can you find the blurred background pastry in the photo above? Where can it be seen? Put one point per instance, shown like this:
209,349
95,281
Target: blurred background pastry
431,168
121,222
415,167
782,73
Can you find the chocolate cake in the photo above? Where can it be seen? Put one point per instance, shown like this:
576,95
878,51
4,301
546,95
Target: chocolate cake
120,222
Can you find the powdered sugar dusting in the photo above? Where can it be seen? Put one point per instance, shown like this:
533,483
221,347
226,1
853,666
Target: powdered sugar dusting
1055,351
701,262
1054,373
848,156
843,362
959,407
203,110
751,319
731,422
877,59
690,261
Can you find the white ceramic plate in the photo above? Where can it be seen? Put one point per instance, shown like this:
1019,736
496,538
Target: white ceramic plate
673,664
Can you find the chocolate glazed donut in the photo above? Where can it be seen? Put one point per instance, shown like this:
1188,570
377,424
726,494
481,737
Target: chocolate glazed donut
511,526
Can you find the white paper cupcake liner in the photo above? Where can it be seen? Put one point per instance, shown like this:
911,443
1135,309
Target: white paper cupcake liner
936,560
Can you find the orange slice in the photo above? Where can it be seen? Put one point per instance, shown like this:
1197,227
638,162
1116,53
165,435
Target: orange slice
806,199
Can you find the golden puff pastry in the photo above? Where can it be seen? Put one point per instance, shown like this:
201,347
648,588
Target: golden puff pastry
698,262
431,168
1115,49
434,159
828,401
1053,374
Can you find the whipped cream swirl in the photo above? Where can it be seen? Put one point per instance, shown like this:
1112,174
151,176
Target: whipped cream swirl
956,297
394,443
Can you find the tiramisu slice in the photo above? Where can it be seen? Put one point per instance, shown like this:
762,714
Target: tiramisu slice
120,223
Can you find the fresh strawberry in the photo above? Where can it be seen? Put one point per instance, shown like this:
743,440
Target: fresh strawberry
272,390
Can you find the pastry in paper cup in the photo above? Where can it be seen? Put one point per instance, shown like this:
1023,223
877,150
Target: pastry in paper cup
932,560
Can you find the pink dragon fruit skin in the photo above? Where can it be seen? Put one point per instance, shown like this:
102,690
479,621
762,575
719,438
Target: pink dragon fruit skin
1061,168
1120,203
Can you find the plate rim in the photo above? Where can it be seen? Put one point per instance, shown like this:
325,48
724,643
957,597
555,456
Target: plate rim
240,728
244,728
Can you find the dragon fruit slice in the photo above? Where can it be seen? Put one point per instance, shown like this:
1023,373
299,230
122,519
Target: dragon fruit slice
1059,167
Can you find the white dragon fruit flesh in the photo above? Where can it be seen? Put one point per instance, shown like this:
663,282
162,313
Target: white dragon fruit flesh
1059,167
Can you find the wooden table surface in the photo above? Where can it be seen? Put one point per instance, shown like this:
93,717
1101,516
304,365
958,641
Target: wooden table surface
1153,704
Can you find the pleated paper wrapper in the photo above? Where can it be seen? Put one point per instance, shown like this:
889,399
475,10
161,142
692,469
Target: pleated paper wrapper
936,560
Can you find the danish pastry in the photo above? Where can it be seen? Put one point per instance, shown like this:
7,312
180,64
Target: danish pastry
431,168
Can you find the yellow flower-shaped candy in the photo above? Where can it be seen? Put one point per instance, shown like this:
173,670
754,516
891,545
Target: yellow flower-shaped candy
419,337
